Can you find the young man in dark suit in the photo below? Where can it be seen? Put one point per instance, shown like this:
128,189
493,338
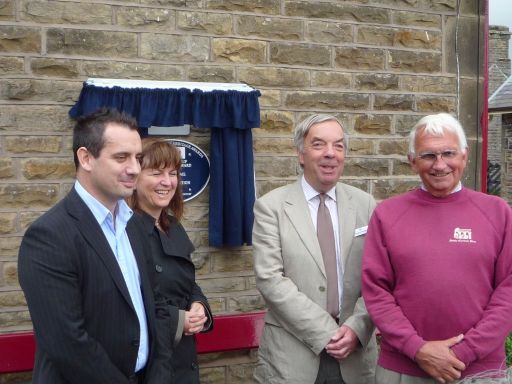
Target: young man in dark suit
84,272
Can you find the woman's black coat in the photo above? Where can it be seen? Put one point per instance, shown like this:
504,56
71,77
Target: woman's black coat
175,275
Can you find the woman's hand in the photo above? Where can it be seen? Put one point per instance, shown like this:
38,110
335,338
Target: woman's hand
194,319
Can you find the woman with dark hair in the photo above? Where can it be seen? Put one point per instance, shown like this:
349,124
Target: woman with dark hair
159,200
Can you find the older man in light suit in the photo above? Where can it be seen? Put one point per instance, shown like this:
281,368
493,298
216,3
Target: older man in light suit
317,329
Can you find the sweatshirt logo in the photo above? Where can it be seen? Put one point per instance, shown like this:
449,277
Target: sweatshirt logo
462,235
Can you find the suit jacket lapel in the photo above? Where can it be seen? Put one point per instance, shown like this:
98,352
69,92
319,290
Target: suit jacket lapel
92,232
347,221
297,210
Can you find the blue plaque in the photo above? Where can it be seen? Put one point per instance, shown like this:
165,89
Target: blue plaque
195,168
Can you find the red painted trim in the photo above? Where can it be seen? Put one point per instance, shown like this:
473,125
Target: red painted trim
237,331
484,119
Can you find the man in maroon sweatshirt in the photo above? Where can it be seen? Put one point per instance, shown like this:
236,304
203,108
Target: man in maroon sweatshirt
437,268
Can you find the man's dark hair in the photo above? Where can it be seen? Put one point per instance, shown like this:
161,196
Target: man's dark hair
89,130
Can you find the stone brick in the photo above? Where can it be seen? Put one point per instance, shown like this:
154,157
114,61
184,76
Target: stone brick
91,43
281,166
214,23
174,47
267,7
232,262
402,167
328,32
9,246
397,37
360,58
264,186
366,167
377,81
274,145
435,104
470,54
48,169
7,223
146,18
210,73
433,5
28,195
199,238
276,122
189,4
269,27
327,100
239,51
326,79
360,147
324,10
427,84
404,123
392,147
143,71
223,284
195,216
273,77
373,124
12,299
43,66
27,144
20,39
27,218
63,12
40,119
217,305
270,98
408,61
12,66
385,188
10,273
12,319
393,102
300,54
418,19
17,378
40,90
212,375
6,9
6,168
201,262
246,303
358,183
241,373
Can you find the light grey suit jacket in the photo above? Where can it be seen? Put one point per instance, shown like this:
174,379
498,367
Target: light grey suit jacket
291,277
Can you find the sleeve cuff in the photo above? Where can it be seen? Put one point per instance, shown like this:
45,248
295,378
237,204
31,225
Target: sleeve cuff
412,346
464,353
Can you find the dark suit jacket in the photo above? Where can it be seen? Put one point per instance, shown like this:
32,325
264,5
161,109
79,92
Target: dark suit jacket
175,274
85,324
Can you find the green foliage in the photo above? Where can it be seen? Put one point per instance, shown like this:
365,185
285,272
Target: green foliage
508,350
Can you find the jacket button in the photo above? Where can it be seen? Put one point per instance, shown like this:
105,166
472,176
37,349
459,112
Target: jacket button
158,268
193,366
321,288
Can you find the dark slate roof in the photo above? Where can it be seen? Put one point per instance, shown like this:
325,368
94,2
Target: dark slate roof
501,99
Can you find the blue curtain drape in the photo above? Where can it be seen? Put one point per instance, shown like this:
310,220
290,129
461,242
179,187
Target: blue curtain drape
229,113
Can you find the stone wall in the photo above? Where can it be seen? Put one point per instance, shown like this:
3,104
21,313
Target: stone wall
499,62
379,66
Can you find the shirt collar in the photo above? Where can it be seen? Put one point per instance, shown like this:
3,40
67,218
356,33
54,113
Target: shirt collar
457,188
100,212
311,192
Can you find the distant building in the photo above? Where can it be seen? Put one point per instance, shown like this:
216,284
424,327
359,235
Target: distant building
499,179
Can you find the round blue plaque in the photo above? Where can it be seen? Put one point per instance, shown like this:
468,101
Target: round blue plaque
195,168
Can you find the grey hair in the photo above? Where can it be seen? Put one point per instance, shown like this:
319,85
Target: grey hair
302,129
437,125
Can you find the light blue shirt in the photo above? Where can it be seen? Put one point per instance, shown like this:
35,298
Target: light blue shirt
120,245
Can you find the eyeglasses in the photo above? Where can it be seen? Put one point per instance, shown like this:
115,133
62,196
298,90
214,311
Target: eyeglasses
430,157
